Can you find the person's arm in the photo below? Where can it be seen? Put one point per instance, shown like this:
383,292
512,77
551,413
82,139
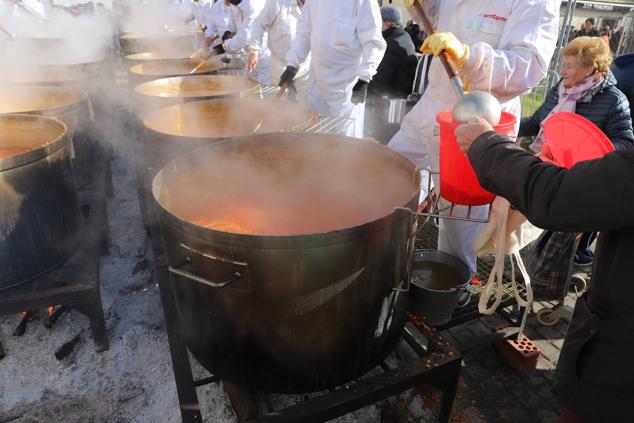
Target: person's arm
262,24
591,196
525,49
301,44
618,125
386,72
370,38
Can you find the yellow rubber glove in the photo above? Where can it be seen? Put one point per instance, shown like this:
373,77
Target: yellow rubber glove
440,41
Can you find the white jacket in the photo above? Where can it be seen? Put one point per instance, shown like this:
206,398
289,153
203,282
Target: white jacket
279,19
217,17
344,37
243,15
511,45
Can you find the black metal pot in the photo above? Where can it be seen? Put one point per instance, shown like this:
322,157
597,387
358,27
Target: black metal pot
289,313
159,93
178,129
68,104
39,211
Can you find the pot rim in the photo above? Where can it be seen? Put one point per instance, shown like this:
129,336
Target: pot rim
281,241
134,69
54,110
296,128
420,254
39,153
248,90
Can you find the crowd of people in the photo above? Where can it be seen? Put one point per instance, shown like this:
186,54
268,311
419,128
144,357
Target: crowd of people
612,37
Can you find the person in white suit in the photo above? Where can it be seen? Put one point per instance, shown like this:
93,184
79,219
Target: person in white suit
504,47
216,16
243,14
279,20
346,46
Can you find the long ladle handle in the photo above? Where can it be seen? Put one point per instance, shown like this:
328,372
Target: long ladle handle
6,32
445,59
282,90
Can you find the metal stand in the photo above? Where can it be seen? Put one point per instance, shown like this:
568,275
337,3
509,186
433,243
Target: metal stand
76,283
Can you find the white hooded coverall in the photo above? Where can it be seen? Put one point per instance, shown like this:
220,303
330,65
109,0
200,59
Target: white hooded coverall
279,19
217,18
344,38
243,15
511,45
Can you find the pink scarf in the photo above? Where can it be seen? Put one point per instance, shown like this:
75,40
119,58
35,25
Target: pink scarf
568,98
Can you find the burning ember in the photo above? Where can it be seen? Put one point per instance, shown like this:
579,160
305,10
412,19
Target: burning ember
251,220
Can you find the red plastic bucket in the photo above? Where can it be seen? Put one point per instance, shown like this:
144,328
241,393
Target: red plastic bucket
458,181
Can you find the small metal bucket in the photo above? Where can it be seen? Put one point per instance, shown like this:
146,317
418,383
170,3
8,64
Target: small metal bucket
397,108
437,280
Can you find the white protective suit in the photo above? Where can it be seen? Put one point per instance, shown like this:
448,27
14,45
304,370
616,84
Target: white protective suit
345,41
217,17
511,45
279,19
244,15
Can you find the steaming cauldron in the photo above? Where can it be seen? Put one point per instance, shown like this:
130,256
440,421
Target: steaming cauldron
39,211
287,255
52,74
159,41
175,130
164,92
150,70
68,104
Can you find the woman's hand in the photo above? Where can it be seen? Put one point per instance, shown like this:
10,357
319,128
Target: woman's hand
468,132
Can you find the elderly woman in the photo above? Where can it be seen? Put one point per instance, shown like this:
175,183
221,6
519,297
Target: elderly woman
588,88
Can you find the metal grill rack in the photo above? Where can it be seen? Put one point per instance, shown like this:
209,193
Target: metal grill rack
321,125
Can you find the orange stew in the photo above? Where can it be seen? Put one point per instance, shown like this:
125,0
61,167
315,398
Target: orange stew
8,152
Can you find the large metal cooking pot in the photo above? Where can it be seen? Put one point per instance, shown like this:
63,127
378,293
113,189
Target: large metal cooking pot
68,104
51,74
147,71
39,211
161,42
175,130
288,255
153,56
164,92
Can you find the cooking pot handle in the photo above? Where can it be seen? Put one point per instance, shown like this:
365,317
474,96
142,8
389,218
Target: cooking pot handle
237,274
411,244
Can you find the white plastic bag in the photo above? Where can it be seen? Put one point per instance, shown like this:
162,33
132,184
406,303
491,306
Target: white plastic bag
506,233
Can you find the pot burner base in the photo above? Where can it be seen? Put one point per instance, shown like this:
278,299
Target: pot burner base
75,284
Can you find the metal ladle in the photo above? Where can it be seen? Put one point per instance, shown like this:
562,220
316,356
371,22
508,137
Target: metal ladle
479,103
